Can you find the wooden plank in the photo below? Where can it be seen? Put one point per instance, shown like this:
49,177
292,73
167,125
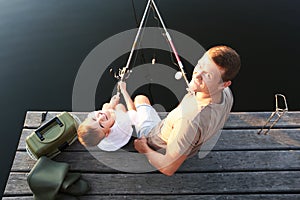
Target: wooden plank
229,140
235,120
258,119
222,161
178,197
250,140
190,183
237,168
197,197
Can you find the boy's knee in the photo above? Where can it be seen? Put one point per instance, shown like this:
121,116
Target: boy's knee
141,99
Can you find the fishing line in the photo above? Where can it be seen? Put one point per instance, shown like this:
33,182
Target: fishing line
124,70
139,45
134,13
164,35
137,24
120,75
153,61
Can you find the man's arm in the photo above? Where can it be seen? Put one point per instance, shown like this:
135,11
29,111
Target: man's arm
167,164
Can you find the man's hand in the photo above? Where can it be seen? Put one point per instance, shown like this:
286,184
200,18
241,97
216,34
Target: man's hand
141,145
165,163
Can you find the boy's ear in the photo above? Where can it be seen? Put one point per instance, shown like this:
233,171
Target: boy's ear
108,132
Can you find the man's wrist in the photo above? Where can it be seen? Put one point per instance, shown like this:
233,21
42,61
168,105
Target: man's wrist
148,149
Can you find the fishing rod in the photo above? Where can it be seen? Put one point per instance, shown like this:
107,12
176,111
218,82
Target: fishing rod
123,71
172,46
169,39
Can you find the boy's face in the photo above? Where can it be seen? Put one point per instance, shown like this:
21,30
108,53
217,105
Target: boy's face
105,118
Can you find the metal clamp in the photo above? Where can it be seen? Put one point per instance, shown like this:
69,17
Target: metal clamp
279,112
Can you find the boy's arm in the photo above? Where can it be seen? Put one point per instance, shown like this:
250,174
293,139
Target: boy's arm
114,101
129,103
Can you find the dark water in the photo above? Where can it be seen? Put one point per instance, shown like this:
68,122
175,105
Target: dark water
43,43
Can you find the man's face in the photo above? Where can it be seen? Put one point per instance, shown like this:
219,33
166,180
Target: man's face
206,76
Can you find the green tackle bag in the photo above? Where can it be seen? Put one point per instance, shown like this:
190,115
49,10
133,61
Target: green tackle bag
53,137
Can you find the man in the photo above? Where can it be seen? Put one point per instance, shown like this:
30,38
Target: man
200,115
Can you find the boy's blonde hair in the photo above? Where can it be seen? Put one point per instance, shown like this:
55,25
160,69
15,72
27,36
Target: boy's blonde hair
89,133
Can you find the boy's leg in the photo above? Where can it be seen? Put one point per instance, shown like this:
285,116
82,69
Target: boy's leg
141,100
147,115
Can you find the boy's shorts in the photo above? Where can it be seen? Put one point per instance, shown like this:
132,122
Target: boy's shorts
147,118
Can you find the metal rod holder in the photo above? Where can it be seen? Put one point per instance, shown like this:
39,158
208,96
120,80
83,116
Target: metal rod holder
279,112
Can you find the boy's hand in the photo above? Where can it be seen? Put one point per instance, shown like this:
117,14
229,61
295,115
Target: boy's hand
129,103
114,100
122,86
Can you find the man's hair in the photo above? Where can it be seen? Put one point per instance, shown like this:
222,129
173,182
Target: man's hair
89,133
227,59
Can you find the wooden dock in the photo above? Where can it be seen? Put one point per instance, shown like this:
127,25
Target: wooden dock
242,165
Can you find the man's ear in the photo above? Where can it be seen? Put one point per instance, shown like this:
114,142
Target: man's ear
226,84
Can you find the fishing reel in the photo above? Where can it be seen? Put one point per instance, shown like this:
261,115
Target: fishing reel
120,74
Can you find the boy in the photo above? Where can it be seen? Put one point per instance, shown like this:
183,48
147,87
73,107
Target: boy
109,128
